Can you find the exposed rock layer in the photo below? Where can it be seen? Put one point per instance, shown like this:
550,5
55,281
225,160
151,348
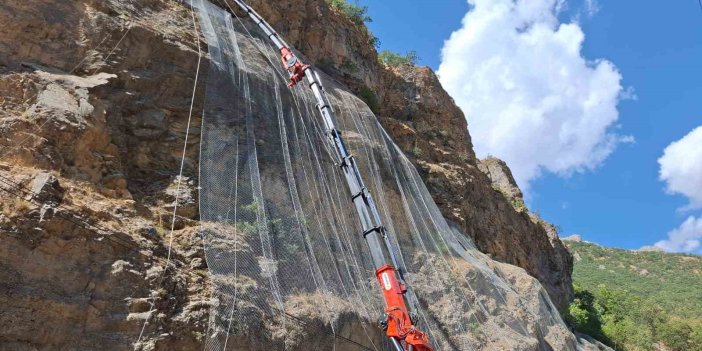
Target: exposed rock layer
97,94
424,120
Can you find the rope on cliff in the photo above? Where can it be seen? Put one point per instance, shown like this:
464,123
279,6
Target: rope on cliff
263,49
115,47
180,173
93,49
17,190
334,334
9,186
318,129
256,44
234,190
301,322
185,142
41,126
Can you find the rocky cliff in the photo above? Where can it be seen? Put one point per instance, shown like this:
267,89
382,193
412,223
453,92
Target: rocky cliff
79,277
424,120
95,102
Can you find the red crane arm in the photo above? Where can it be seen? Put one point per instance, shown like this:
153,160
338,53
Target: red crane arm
397,321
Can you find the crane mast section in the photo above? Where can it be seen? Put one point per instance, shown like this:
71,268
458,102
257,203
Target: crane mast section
397,321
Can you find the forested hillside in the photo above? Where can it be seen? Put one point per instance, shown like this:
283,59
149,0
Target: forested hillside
634,300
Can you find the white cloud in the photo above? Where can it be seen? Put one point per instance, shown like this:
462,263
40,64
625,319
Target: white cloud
686,238
529,95
681,167
629,94
592,7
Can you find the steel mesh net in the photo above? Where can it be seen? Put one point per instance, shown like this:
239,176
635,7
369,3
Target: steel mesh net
282,240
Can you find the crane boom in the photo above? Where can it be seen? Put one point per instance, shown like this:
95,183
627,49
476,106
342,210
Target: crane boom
396,321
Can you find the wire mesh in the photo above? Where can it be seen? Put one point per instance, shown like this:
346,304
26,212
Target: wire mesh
282,240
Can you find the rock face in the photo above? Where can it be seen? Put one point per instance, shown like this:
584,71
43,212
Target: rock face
71,284
501,177
424,120
326,37
90,159
575,237
94,103
480,196
426,123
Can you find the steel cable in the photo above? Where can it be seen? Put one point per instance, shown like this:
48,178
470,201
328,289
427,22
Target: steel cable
41,126
182,165
23,194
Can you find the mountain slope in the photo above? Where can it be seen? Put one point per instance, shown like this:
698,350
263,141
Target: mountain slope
95,109
427,125
638,299
674,281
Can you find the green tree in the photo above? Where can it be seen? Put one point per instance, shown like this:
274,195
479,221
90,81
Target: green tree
584,314
581,310
696,337
357,14
656,299
677,334
393,59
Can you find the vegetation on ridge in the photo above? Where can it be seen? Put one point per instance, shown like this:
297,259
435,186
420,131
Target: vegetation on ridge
356,14
637,300
393,59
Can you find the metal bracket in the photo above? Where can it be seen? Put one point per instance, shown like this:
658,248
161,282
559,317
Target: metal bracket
346,161
378,229
359,194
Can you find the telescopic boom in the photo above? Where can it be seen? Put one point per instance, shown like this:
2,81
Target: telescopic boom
396,320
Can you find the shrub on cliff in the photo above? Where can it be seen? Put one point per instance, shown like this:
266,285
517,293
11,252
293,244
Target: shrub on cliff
393,59
357,14
369,97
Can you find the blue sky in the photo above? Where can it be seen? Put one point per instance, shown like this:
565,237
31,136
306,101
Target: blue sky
656,49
